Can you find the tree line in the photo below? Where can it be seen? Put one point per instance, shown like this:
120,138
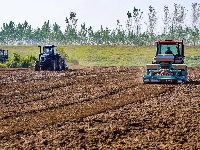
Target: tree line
174,27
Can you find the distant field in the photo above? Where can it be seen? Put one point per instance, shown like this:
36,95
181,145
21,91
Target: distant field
109,55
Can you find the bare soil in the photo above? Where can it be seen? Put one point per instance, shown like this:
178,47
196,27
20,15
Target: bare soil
97,108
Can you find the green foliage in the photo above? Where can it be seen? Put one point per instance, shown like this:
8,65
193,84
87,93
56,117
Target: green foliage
27,61
193,61
73,61
64,54
174,27
17,61
14,62
110,55
120,55
2,65
134,21
152,20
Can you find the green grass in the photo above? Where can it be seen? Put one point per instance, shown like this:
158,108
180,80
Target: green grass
22,50
109,55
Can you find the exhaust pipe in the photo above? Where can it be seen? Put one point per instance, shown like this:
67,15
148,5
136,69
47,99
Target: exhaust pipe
40,48
53,49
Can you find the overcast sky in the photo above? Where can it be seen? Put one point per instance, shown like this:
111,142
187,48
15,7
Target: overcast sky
93,12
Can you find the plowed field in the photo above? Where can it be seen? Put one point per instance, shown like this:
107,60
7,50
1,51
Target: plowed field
97,108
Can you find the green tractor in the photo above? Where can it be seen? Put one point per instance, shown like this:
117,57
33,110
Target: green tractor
168,64
3,55
50,59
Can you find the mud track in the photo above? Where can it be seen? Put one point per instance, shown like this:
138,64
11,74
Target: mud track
97,108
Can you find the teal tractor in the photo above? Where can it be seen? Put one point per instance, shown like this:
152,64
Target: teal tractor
50,59
168,64
3,55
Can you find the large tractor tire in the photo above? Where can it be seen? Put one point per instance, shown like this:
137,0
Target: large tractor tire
37,66
53,65
60,66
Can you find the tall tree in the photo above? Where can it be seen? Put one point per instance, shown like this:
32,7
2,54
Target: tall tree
83,39
8,33
195,15
178,20
57,36
27,30
137,19
90,36
118,34
38,37
134,25
166,19
179,15
152,21
46,32
71,30
129,22
19,33
195,36
106,36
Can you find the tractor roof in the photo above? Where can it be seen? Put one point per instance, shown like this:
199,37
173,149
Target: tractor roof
168,42
49,45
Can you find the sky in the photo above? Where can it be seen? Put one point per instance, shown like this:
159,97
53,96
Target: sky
91,12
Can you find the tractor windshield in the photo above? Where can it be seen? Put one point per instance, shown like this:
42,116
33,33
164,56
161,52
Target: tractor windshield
47,49
5,52
50,49
1,52
168,49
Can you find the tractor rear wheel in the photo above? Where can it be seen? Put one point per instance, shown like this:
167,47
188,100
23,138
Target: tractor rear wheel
53,65
37,66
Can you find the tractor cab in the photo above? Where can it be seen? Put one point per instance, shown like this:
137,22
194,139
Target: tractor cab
49,49
170,47
3,55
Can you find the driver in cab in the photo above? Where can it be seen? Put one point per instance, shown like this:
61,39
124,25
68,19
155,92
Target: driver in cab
168,51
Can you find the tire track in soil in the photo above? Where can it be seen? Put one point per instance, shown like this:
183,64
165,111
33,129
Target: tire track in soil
33,110
35,87
22,92
124,126
76,111
26,103
19,95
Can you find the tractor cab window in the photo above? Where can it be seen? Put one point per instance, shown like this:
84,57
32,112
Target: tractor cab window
54,48
48,50
5,52
168,49
1,52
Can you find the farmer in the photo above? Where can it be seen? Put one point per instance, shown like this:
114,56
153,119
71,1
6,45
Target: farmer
168,51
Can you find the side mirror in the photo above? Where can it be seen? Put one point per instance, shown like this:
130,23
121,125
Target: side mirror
40,48
53,49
